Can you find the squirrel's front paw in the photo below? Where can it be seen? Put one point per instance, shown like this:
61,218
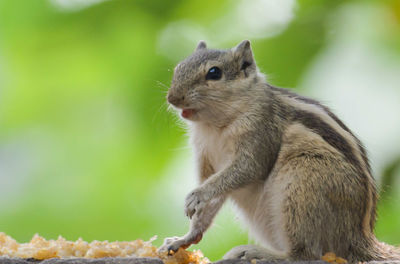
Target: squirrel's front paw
196,201
173,244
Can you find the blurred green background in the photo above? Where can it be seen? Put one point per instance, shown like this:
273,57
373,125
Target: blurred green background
87,148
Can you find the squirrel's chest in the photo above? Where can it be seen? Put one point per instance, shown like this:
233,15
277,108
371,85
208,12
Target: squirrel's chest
218,147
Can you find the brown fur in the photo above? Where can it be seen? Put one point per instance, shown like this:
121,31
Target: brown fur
298,175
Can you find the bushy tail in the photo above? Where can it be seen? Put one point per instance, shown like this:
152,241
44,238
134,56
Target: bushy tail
383,251
380,251
373,250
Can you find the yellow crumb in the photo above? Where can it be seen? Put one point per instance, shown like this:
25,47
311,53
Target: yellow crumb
40,248
332,258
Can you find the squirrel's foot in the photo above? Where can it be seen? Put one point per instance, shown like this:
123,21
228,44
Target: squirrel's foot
196,201
173,244
249,252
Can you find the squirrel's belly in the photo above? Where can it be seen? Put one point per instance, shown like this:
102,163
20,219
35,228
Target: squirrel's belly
265,226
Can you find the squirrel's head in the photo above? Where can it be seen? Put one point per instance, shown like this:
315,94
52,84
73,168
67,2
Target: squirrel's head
208,84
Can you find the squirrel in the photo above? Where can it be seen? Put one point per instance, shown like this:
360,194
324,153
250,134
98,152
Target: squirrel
298,175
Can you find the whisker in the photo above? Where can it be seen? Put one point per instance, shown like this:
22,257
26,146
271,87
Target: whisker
181,148
164,88
161,107
162,84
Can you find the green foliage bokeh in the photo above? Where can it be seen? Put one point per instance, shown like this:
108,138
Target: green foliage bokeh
84,123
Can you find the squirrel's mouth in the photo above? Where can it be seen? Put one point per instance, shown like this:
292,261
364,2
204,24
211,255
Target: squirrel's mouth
187,112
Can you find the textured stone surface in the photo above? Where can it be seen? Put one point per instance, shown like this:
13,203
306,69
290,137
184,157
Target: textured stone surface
233,261
81,260
4,260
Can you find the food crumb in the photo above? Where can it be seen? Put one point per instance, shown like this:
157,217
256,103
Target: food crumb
332,258
40,249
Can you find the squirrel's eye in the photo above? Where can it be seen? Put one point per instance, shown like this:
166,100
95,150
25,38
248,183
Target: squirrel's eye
214,73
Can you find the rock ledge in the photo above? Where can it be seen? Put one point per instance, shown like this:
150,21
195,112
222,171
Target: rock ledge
5,260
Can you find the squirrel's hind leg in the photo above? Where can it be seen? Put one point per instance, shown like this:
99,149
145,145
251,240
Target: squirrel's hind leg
249,252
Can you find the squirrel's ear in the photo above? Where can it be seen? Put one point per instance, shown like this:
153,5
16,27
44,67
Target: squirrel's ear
202,45
244,53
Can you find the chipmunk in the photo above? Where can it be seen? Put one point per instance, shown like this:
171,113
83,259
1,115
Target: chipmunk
299,177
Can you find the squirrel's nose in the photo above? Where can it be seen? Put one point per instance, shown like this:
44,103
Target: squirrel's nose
175,100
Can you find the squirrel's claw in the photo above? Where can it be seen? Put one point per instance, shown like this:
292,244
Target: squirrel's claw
195,202
172,244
